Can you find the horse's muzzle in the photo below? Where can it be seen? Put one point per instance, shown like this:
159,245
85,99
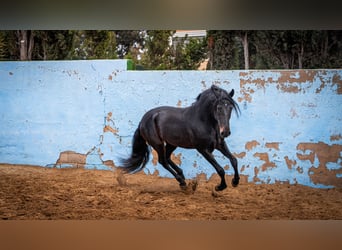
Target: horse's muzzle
224,132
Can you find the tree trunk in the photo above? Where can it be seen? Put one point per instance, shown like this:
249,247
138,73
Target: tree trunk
30,46
245,50
26,43
326,44
22,36
300,55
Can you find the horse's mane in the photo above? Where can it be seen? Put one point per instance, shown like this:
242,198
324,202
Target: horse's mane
214,94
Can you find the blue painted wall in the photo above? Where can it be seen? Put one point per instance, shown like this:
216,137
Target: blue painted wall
290,129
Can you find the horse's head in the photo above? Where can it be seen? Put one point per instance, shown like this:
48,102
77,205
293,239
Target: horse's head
219,104
223,107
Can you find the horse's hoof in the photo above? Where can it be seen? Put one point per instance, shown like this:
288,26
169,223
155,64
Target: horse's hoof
220,187
215,193
235,182
190,188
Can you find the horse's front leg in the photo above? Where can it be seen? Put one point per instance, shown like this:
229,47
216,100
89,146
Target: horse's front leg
210,158
223,148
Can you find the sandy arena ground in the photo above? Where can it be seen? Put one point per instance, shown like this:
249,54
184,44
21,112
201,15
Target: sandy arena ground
28,192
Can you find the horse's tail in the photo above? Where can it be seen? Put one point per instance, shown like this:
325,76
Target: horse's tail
139,156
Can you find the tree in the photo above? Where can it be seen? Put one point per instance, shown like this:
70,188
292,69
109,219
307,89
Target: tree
26,42
129,42
158,52
188,53
36,45
243,36
221,45
279,49
92,44
53,45
3,46
292,49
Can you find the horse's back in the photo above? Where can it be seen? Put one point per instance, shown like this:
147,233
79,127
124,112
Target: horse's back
164,113
167,124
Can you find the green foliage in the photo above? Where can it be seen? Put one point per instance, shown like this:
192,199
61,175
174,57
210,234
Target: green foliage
225,51
52,45
130,64
153,49
183,54
279,49
9,49
158,51
93,45
188,53
129,42
3,48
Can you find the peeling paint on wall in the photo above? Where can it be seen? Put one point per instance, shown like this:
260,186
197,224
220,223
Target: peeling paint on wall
324,154
265,158
337,80
274,145
84,114
251,144
71,159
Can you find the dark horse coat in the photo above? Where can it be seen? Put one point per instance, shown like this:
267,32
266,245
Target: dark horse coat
202,126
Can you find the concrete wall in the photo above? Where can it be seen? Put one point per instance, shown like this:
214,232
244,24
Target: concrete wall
84,113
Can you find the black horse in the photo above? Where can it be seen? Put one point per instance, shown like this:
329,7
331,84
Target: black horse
202,126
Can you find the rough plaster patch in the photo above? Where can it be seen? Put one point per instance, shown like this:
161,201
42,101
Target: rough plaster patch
72,158
289,81
177,159
154,157
251,144
338,81
240,155
325,153
108,128
298,76
310,157
264,157
274,145
290,163
288,88
109,163
300,170
256,172
335,137
246,97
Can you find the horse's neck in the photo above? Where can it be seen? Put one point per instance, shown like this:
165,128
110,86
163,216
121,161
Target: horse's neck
201,112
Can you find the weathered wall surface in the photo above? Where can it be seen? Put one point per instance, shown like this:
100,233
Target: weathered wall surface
84,113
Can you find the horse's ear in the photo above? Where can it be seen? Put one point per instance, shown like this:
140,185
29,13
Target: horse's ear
198,97
231,93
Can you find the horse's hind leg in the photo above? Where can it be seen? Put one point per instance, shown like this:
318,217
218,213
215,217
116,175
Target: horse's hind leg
169,149
160,148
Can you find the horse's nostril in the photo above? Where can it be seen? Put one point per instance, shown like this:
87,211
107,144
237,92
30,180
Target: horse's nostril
225,133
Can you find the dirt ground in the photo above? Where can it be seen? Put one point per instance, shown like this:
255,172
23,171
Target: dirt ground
28,192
